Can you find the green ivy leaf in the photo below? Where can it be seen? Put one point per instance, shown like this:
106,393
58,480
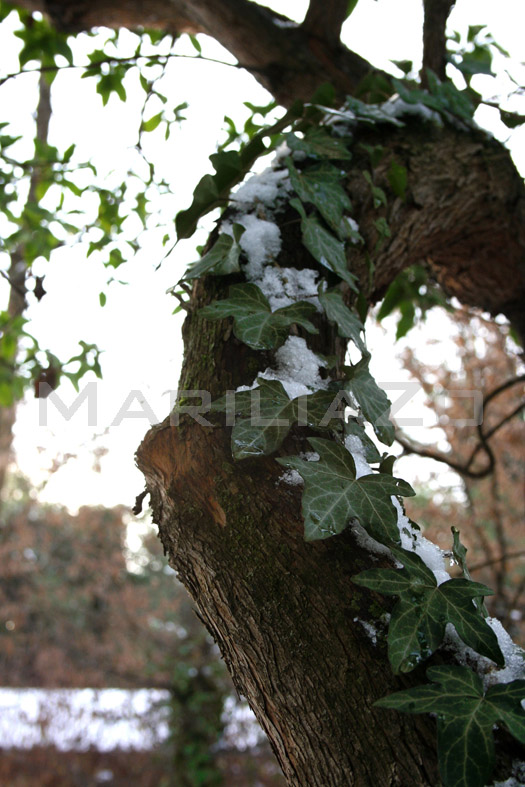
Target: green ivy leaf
230,167
348,323
317,143
254,322
397,177
460,556
372,400
320,185
466,717
418,621
221,260
267,415
332,494
327,250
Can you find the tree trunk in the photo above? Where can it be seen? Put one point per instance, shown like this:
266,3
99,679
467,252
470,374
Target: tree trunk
17,275
284,612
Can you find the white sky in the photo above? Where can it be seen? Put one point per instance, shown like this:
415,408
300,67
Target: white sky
139,335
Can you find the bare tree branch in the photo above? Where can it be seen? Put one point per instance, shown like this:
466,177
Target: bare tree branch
500,559
464,469
324,19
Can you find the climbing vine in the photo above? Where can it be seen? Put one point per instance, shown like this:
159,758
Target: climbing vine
346,479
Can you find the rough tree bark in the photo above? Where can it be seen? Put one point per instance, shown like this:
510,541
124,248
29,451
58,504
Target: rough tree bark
284,612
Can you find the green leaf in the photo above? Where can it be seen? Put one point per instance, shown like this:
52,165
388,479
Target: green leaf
397,177
152,123
196,43
254,322
465,750
348,323
460,556
230,166
378,194
417,624
511,119
317,143
350,7
268,415
332,494
102,298
327,250
221,260
372,400
320,185
466,718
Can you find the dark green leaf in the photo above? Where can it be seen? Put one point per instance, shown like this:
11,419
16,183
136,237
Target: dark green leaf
221,260
466,718
254,322
327,250
372,400
418,621
319,144
321,186
332,494
397,177
348,323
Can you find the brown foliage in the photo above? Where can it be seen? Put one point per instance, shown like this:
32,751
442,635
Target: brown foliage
490,515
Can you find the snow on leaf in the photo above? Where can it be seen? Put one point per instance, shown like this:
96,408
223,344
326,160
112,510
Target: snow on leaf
417,625
348,323
321,186
371,453
372,400
332,494
254,322
466,717
327,250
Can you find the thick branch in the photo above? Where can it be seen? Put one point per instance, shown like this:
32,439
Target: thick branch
285,58
434,38
324,19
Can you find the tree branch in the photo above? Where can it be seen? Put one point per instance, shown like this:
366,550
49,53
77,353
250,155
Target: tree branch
324,19
434,38
501,558
285,58
464,469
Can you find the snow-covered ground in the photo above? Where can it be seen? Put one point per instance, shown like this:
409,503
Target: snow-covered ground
77,719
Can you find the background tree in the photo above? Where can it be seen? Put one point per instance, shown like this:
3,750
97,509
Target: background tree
76,616
284,612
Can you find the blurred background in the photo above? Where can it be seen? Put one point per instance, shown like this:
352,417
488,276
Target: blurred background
106,673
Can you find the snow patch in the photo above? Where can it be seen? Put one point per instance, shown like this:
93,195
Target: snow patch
369,628
266,188
261,242
514,656
297,368
284,286
291,477
354,445
396,107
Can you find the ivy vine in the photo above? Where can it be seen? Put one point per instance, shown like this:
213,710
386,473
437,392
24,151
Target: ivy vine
333,492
